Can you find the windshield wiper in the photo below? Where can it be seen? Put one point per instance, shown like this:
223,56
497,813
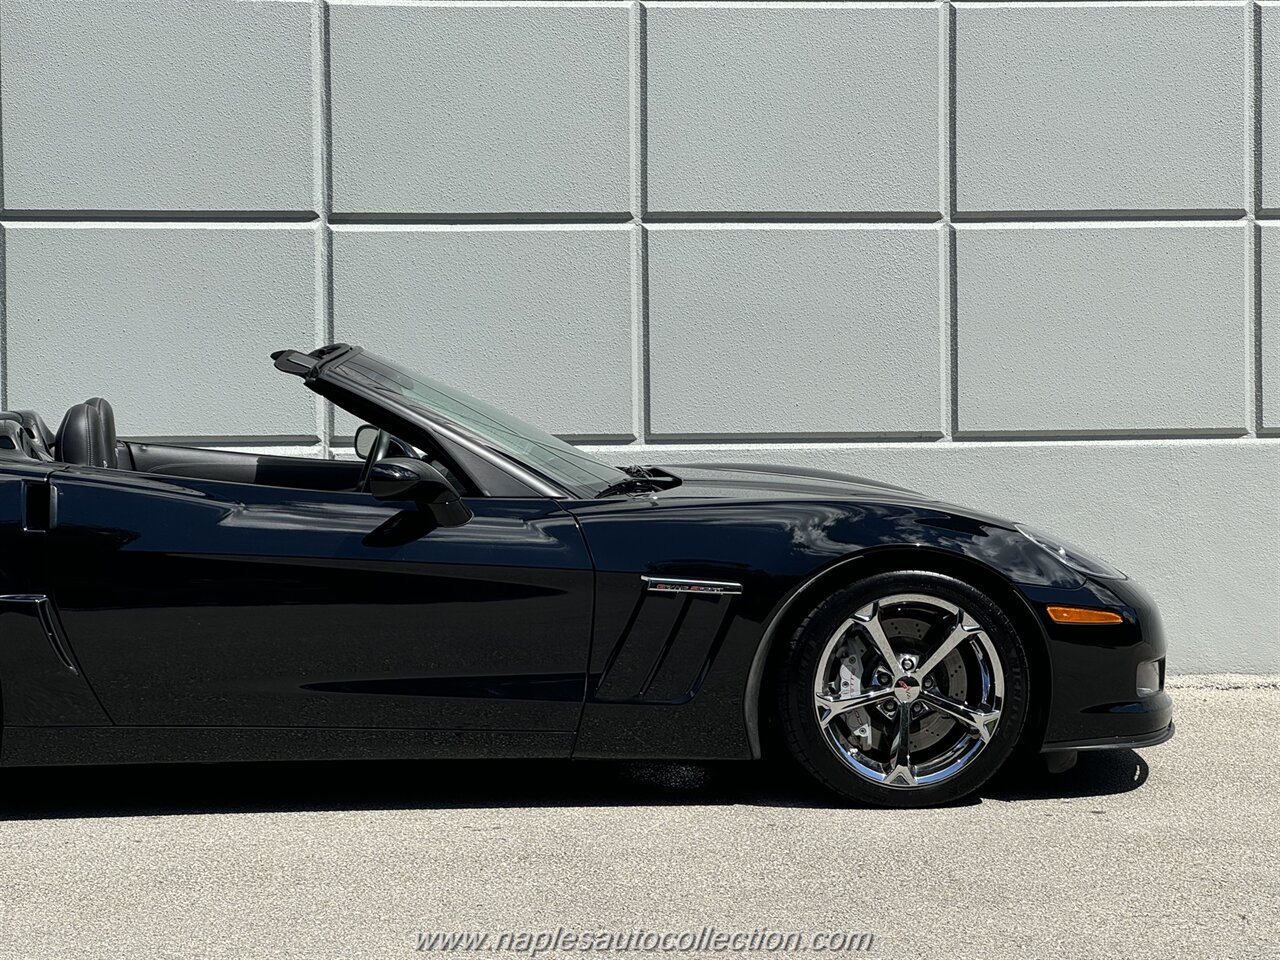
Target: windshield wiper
639,479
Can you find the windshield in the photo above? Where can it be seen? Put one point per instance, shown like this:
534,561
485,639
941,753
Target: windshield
559,462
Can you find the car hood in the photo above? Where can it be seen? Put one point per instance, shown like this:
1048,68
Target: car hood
766,481
757,481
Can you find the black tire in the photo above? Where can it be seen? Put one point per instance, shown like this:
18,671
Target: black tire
798,715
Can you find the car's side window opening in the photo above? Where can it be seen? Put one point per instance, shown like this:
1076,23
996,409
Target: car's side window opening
342,474
87,437
566,467
430,455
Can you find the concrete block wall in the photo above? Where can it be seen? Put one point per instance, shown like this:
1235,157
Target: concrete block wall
1025,255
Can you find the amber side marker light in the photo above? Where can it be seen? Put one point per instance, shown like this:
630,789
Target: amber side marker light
1082,615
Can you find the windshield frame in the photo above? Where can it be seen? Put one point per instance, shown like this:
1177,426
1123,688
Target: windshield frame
537,477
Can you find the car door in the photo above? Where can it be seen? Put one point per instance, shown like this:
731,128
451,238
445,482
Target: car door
212,603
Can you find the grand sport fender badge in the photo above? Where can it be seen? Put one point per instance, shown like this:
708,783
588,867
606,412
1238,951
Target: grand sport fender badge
678,585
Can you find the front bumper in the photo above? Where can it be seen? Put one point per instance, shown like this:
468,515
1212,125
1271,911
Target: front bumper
1114,743
1096,702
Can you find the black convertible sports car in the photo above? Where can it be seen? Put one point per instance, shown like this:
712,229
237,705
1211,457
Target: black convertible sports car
473,587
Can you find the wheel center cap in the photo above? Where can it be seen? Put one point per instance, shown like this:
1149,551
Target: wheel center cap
906,689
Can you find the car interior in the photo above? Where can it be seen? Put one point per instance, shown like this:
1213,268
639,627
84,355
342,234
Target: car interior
87,437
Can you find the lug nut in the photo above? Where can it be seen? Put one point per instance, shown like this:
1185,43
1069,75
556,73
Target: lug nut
917,709
908,664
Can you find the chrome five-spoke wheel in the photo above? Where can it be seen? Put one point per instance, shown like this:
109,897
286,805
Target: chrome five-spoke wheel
906,688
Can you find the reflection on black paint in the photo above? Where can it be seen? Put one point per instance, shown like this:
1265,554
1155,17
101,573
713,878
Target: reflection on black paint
234,604
404,528
565,686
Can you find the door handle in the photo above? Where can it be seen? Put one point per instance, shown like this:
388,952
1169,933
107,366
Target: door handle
39,506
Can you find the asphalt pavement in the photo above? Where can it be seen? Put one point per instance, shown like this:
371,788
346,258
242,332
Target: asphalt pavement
1174,852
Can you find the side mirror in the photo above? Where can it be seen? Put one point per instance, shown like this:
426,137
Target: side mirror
403,478
366,437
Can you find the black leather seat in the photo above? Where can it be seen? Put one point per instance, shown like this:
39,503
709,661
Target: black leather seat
83,438
35,439
42,438
14,439
124,456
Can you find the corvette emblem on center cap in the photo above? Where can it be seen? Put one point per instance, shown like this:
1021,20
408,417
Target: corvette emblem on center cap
906,689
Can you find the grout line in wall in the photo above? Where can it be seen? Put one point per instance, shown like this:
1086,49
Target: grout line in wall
640,389
1255,388
1256,394
551,4
747,217
946,365
598,439
639,111
2,198
796,439
952,332
237,218
947,129
1118,223
74,222
1076,217
1255,109
553,218
949,287
766,225
1078,4
641,406
1032,435
324,139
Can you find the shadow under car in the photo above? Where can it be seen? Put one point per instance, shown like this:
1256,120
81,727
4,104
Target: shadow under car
34,793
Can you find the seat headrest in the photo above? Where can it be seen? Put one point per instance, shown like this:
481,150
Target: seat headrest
83,438
35,425
42,438
108,416
14,439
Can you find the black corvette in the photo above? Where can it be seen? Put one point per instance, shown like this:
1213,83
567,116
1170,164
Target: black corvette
473,587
